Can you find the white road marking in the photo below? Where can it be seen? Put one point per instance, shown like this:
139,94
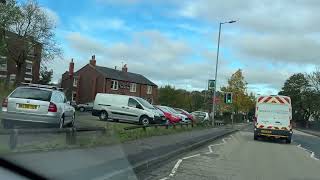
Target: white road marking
190,156
312,155
210,146
165,178
176,166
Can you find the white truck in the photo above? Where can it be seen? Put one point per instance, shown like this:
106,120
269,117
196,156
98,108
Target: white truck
273,117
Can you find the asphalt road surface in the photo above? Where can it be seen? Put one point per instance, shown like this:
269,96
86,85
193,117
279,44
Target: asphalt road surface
240,157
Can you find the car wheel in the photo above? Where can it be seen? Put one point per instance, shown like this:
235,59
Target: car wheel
144,120
82,109
103,116
61,124
255,137
288,140
71,124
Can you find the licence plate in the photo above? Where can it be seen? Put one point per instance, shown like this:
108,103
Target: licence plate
163,118
266,131
27,106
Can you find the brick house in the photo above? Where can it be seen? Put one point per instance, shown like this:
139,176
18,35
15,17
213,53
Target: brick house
31,67
83,85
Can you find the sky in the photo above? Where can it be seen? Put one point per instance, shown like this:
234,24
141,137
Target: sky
175,42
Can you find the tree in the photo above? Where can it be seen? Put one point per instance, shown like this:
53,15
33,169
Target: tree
314,79
8,15
33,28
238,86
45,75
297,87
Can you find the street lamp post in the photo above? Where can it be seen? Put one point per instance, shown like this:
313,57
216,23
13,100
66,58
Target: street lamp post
216,73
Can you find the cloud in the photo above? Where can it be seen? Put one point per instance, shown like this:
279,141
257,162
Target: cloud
114,24
83,44
165,61
278,48
151,53
284,16
271,41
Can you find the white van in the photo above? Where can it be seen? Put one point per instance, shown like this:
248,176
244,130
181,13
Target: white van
273,117
125,108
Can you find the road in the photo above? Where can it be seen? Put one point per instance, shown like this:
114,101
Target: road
240,157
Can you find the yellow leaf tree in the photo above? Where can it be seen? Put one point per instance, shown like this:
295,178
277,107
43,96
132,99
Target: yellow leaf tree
242,102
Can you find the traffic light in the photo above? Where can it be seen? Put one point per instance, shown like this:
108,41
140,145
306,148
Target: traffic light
228,98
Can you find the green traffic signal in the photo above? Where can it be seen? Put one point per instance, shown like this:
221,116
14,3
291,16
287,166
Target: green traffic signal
228,98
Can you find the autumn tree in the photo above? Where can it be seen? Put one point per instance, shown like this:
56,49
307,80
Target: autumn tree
242,102
33,28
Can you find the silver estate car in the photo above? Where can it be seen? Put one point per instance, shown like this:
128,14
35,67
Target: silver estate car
34,103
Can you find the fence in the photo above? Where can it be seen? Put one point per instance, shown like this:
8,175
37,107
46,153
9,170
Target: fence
169,125
71,133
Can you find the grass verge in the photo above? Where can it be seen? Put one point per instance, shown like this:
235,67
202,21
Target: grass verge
115,134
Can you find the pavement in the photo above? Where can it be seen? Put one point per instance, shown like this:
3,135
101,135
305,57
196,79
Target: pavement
112,162
239,157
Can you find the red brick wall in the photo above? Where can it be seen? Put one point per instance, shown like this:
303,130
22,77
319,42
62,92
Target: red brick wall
141,91
14,44
123,91
90,82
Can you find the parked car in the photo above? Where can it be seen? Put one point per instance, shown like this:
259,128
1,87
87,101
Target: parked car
201,116
172,118
183,117
162,115
33,103
85,107
181,111
125,108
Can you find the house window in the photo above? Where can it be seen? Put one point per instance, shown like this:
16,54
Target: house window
3,76
12,78
74,96
114,85
3,63
27,80
149,89
75,82
29,68
133,87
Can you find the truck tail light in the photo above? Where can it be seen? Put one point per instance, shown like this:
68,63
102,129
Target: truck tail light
255,121
52,107
5,102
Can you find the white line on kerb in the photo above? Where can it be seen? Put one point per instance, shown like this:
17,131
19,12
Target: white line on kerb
190,156
176,166
312,155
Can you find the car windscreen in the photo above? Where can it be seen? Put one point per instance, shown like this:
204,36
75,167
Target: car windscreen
145,103
172,110
32,93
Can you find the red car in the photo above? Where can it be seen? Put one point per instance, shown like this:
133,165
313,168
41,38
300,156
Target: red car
169,115
181,111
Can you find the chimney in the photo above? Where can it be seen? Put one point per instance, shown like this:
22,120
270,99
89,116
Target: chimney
71,68
93,61
125,68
